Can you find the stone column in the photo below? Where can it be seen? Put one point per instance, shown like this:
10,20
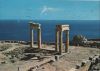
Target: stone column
39,38
60,41
67,41
57,40
31,36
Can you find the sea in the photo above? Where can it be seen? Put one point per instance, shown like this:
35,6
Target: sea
19,29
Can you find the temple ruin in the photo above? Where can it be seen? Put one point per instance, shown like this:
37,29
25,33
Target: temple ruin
37,27
59,37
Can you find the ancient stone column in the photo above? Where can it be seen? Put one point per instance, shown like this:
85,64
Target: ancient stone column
31,37
39,38
67,41
57,40
60,41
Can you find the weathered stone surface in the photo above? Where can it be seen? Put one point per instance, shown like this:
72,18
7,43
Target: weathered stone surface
78,66
59,38
95,64
56,57
3,62
38,27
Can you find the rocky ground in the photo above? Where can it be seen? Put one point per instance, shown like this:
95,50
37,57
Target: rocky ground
95,64
11,58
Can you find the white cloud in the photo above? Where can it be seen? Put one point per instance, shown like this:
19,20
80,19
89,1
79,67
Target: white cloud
46,10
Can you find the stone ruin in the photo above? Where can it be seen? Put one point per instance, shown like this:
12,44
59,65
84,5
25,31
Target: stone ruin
38,28
59,36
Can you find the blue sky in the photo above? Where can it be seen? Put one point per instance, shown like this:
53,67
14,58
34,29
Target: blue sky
50,9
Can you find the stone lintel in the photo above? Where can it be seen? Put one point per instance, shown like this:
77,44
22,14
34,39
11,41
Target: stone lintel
62,27
35,25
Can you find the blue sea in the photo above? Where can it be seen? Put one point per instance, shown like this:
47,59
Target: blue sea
19,29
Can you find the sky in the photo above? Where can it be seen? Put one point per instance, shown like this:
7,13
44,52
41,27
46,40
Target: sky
50,9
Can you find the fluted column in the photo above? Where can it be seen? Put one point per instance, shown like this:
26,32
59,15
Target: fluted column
67,41
60,41
39,38
31,37
57,41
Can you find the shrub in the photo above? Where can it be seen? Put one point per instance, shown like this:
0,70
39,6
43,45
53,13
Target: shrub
79,40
